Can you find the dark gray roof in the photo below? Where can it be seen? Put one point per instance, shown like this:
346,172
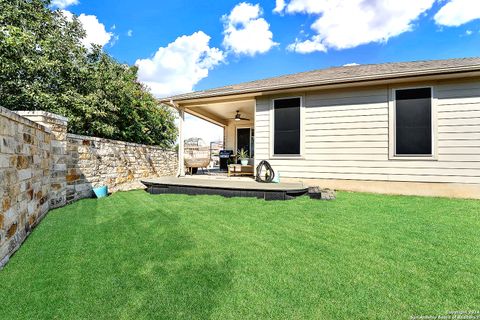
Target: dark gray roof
337,75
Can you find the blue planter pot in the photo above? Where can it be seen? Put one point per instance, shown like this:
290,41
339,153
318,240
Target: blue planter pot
101,192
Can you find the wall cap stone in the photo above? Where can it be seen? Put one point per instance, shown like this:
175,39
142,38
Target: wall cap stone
20,119
43,114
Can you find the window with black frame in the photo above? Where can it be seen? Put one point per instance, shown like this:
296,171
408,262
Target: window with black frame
413,122
286,140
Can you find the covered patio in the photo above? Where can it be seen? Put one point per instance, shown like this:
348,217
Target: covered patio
237,118
234,116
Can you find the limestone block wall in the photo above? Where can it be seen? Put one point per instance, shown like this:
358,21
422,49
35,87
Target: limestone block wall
58,128
25,175
43,167
92,162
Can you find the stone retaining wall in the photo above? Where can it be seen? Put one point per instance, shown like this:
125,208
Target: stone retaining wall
57,126
43,167
119,165
25,175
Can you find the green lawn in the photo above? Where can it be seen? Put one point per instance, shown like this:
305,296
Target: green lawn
138,256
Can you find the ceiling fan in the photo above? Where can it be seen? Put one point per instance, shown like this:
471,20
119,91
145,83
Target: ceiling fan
239,117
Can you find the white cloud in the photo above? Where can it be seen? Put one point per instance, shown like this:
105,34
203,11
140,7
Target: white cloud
310,6
129,33
350,64
62,4
179,66
95,30
114,40
245,32
468,32
458,12
350,23
307,46
279,6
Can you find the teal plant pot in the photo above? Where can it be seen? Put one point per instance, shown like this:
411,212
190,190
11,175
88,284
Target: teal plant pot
276,179
101,192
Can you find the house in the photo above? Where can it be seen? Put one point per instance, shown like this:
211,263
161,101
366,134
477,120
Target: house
403,128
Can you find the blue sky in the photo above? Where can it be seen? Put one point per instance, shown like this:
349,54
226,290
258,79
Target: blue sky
192,45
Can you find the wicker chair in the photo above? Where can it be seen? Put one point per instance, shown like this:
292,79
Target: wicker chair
196,157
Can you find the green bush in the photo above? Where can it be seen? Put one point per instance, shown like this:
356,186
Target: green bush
44,66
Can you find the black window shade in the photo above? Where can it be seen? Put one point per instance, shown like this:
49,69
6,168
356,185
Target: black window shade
287,126
413,122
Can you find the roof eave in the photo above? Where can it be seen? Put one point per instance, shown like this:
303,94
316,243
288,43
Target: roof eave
437,74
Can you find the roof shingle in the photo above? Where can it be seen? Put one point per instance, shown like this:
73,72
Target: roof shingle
342,74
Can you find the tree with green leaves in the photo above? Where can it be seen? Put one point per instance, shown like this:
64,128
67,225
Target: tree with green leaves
44,66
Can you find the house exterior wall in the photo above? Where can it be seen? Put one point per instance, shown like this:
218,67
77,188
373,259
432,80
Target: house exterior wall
231,133
347,133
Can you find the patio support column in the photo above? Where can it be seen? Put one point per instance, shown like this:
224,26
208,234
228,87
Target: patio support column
181,146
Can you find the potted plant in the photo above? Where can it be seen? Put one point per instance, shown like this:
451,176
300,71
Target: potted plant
243,156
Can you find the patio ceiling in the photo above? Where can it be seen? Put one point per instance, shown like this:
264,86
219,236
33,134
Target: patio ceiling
220,113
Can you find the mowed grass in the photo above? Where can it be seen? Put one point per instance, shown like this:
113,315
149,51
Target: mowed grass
140,256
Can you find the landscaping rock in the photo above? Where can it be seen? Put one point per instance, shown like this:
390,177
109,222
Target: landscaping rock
321,194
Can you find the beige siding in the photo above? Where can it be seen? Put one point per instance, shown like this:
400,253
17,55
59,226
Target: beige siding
231,133
346,136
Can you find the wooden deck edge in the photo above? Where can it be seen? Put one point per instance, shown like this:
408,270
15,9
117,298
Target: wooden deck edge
225,191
